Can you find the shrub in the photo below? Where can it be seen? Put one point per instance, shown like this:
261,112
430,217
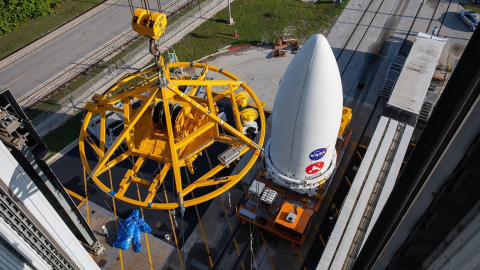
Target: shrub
14,13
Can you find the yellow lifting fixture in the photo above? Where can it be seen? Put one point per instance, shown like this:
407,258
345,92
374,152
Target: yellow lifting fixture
171,119
173,126
149,24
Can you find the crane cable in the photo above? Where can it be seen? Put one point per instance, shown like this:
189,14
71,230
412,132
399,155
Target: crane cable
130,4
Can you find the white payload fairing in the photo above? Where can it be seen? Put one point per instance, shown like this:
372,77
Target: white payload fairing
306,118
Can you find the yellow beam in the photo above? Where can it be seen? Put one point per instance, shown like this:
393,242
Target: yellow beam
224,93
115,161
129,175
173,151
124,94
140,181
157,181
194,135
210,82
103,129
233,131
91,143
211,106
121,137
236,113
73,194
199,78
110,107
205,183
81,203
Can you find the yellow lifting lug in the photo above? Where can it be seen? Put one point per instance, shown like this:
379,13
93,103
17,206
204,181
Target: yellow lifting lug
242,99
248,115
149,24
92,107
346,116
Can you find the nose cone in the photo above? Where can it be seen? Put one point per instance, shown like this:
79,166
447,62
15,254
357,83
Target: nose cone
307,113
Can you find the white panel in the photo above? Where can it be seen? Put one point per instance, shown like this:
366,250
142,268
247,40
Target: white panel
341,225
374,170
392,177
412,85
462,252
10,260
24,189
21,246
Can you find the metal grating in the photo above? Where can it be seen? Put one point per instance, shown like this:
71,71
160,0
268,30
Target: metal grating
414,80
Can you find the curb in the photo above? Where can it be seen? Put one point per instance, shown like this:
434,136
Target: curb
62,152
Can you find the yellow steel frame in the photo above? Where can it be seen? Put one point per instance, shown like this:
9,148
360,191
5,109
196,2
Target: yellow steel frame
146,142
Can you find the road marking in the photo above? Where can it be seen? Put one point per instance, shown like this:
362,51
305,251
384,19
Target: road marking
363,146
348,181
16,79
341,169
361,158
90,35
328,194
321,239
315,224
299,256
266,248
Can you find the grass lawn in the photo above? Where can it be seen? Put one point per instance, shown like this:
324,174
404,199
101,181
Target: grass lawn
35,28
64,135
472,8
254,18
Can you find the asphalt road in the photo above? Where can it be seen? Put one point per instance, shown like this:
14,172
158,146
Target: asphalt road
45,63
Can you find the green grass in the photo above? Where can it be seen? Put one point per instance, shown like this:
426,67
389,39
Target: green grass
35,28
64,135
254,18
472,8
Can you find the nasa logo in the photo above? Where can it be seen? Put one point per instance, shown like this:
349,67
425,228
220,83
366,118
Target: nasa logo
318,154
314,168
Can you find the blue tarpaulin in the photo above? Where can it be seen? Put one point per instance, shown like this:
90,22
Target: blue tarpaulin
131,230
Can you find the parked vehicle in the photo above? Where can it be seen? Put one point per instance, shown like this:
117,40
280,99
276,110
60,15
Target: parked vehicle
470,18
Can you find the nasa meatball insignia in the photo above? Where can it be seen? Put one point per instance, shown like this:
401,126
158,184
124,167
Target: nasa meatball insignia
318,154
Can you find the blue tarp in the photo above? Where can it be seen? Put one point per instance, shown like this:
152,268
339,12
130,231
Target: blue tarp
131,230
